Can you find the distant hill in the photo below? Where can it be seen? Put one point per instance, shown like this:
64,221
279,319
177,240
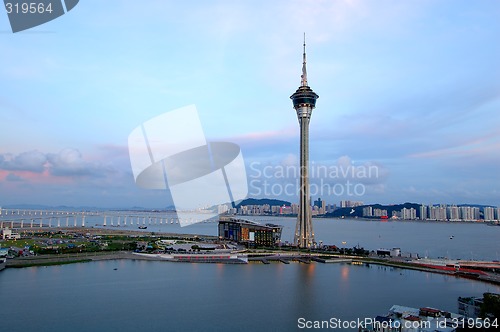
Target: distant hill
263,201
476,205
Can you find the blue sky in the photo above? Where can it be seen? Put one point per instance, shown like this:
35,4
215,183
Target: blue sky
409,87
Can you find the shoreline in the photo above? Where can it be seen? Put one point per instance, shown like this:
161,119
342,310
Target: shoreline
110,230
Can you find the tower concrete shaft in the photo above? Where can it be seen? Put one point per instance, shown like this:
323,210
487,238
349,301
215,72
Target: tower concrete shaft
304,101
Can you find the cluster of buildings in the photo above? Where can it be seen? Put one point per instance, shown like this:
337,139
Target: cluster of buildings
404,213
369,211
437,213
440,212
407,319
266,209
426,319
474,307
318,207
458,213
350,204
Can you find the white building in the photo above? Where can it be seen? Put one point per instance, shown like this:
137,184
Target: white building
437,213
423,212
489,214
469,213
344,204
470,306
367,211
223,208
453,213
379,213
408,214
8,234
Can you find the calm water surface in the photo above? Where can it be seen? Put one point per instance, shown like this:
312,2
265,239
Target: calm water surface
163,296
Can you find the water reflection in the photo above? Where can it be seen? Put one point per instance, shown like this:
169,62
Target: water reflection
215,297
344,272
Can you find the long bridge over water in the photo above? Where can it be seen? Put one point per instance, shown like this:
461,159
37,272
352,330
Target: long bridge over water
30,218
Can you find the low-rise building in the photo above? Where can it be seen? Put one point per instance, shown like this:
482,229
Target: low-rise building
479,307
8,234
470,306
407,319
394,252
249,232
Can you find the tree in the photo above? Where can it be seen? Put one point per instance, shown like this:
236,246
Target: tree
491,306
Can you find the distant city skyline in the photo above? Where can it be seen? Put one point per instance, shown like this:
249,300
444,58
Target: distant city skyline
409,92
404,211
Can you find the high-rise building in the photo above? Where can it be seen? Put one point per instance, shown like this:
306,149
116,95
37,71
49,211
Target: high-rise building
489,213
223,208
321,205
330,208
437,213
304,101
318,203
469,213
453,213
344,204
408,214
423,212
379,213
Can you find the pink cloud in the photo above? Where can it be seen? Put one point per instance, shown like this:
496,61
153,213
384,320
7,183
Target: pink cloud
484,145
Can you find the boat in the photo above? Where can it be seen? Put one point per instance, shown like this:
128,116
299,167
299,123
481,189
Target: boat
143,227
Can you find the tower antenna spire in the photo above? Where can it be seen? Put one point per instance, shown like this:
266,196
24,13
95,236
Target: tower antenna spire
304,70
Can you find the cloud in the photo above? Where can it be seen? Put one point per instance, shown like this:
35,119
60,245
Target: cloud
69,177
31,161
485,146
69,162
66,163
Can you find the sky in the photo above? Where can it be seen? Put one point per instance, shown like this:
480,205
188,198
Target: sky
408,108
